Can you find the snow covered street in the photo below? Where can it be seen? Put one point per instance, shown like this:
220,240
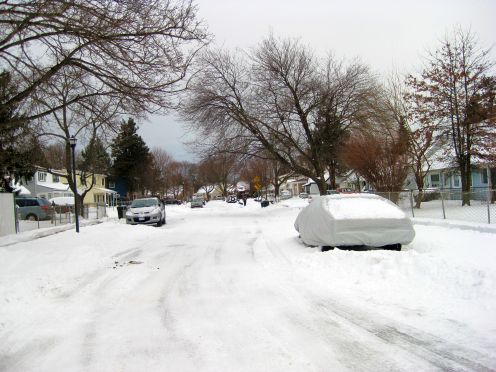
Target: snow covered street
231,288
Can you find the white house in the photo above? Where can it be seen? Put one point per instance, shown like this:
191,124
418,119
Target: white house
46,185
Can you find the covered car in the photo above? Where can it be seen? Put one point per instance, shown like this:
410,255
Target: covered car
148,211
350,220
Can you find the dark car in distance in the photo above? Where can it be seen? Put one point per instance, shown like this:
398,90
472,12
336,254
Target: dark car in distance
172,201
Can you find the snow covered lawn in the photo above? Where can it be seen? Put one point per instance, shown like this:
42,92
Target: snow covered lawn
231,288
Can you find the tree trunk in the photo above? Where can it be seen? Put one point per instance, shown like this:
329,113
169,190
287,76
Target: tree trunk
332,175
492,184
322,185
277,186
419,180
466,178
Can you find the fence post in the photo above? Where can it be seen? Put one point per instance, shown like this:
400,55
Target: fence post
488,206
411,203
442,203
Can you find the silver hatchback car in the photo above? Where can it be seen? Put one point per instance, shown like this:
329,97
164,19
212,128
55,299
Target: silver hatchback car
147,211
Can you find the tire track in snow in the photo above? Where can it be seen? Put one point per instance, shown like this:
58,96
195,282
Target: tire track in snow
105,306
340,323
439,353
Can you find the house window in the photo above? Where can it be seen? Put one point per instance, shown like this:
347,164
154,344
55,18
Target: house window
484,177
103,181
456,181
447,180
56,179
42,176
434,180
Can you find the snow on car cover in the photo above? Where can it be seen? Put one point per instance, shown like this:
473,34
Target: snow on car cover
353,219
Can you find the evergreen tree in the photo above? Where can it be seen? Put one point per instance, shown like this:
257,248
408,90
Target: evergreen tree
95,157
130,156
19,148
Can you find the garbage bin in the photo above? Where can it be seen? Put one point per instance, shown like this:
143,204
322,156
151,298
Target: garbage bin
120,211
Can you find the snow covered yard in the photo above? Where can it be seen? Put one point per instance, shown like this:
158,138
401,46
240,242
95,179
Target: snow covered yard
228,287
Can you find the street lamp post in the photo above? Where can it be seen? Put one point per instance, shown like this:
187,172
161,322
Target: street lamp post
73,141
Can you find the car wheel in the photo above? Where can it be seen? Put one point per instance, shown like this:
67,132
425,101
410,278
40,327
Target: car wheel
31,217
393,247
159,223
326,248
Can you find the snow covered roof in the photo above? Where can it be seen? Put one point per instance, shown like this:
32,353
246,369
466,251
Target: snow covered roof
21,190
108,191
57,186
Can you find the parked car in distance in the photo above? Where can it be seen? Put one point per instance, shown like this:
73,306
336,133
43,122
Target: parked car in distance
231,199
33,208
285,194
303,195
147,211
352,221
172,201
197,202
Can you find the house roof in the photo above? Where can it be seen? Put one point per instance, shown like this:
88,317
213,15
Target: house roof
108,191
56,186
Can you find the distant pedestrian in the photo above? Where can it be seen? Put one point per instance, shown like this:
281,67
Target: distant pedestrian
244,199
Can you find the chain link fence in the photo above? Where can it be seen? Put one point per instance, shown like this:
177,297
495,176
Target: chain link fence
62,215
447,204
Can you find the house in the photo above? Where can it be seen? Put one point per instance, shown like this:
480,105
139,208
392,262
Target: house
349,181
47,185
98,194
448,178
294,185
119,186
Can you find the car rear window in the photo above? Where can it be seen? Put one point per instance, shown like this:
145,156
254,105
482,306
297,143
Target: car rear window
140,203
43,201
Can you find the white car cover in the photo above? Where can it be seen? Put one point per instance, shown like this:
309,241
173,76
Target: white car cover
353,219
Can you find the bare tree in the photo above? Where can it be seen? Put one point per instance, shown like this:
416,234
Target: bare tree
224,170
163,170
456,89
54,155
379,150
401,106
138,50
89,119
207,174
274,101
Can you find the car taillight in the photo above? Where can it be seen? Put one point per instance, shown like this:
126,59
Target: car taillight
46,208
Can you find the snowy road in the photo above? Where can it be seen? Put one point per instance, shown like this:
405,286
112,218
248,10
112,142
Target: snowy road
227,288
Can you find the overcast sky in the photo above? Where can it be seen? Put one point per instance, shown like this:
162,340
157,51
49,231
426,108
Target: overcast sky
385,34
